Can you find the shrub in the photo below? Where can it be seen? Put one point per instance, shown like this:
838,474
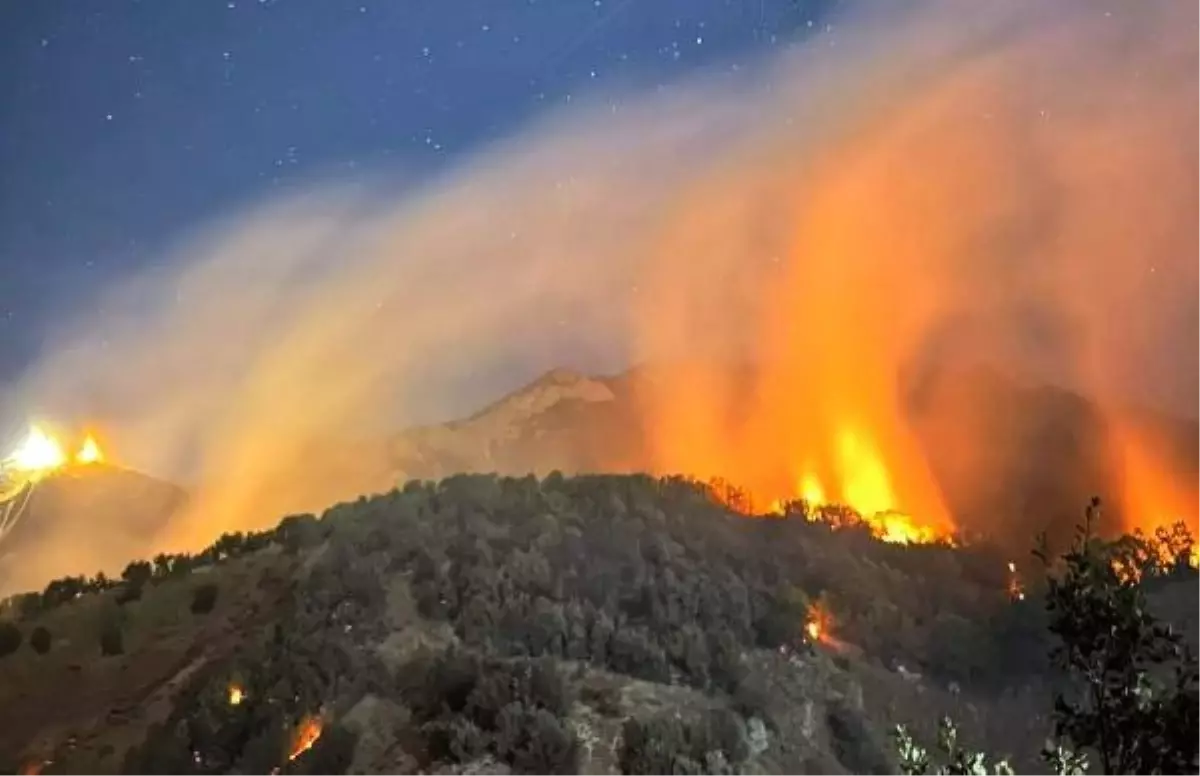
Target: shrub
112,641
204,598
10,638
40,640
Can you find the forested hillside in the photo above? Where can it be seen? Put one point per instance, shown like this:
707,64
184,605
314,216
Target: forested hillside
603,624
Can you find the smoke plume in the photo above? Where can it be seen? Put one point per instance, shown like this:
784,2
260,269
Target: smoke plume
922,184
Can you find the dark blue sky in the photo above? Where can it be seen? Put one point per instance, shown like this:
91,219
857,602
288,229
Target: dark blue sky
124,123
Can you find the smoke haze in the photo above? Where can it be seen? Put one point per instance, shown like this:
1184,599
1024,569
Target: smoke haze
921,185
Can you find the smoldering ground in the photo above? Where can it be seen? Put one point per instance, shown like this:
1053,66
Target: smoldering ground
918,185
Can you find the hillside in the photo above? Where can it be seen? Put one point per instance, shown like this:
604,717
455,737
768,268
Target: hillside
603,624
80,518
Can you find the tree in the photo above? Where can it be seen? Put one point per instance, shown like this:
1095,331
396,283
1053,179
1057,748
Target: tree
137,573
297,532
1133,683
10,638
40,640
1134,698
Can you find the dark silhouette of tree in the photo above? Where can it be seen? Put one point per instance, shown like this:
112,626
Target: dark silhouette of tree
10,638
139,572
204,598
112,641
1134,696
1132,682
40,640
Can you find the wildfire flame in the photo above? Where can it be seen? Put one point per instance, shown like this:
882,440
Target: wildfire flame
236,695
865,489
855,477
41,453
89,451
38,452
1016,590
816,626
307,733
813,629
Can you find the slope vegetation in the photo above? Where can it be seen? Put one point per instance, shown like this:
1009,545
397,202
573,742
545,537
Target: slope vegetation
604,624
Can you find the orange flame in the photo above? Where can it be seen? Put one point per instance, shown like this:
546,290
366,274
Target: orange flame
38,453
813,629
89,451
1016,589
41,453
236,695
307,733
817,625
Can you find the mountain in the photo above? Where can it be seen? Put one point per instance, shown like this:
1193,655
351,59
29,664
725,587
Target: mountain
563,420
76,520
1010,458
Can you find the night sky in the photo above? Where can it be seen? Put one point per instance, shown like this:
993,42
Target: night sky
123,124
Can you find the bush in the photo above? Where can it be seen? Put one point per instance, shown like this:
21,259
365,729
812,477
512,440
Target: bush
40,640
204,598
112,641
510,709
656,745
10,638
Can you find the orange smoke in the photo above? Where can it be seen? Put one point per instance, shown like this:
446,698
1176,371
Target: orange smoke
835,274
1153,495
831,322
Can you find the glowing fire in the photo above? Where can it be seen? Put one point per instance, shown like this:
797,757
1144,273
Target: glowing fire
865,488
307,733
89,451
813,629
236,695
38,452
1016,590
41,453
811,490
817,624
